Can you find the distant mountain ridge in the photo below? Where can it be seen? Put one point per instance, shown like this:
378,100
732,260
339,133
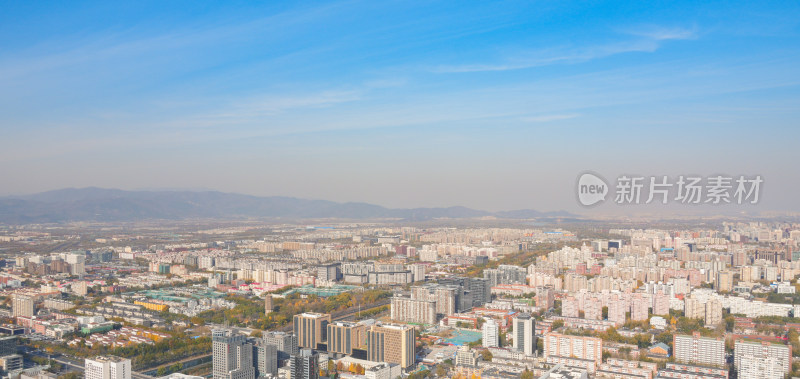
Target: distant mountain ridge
109,205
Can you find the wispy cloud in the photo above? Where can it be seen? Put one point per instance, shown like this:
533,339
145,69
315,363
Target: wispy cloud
660,33
138,42
276,104
549,117
647,40
261,107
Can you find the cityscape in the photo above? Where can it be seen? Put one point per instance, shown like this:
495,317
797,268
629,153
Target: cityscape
351,189
383,300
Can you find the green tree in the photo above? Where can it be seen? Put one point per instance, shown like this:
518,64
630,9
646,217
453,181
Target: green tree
794,341
664,337
730,323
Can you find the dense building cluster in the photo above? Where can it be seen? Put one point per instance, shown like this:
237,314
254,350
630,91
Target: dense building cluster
488,302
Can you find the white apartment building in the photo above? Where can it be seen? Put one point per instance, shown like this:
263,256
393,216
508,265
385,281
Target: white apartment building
577,347
762,360
405,309
383,371
491,336
697,349
108,367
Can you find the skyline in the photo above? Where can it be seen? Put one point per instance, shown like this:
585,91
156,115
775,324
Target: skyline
400,105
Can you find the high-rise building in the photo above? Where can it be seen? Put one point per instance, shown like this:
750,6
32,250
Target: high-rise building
593,309
506,274
713,313
108,367
660,304
693,308
77,263
9,359
762,360
545,298
418,272
709,309
311,329
79,288
639,308
491,336
570,307
329,272
404,309
524,333
304,365
697,349
475,292
467,357
739,258
617,307
265,359
286,343
11,362
724,281
391,344
8,345
344,336
445,297
232,356
22,305
589,348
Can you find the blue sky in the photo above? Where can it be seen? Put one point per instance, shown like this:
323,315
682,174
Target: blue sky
494,106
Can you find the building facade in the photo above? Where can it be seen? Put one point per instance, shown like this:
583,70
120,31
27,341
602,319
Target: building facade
343,337
524,331
491,335
304,365
697,349
761,360
108,367
588,349
391,344
232,356
311,329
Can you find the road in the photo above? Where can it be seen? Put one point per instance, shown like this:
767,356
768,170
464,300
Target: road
347,314
336,316
76,364
184,360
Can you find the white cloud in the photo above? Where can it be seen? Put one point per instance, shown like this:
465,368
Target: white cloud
249,109
648,40
658,33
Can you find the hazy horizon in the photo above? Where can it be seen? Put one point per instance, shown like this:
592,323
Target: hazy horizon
606,210
490,106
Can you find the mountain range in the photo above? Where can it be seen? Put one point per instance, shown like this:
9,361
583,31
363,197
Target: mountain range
113,205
